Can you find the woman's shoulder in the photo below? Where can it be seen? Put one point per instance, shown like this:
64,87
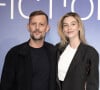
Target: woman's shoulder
89,48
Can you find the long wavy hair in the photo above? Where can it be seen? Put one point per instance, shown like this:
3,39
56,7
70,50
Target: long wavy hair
63,38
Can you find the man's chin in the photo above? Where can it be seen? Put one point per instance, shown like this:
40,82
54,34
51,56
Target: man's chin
37,39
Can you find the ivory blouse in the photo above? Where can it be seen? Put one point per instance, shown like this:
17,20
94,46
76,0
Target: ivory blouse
65,61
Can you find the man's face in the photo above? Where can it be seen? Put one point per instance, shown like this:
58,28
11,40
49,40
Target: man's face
38,26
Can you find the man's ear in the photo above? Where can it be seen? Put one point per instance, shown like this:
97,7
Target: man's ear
48,28
28,27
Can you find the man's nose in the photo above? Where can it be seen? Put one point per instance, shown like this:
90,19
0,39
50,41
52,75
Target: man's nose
37,26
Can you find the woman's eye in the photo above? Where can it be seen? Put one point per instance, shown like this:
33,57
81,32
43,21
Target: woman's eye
65,25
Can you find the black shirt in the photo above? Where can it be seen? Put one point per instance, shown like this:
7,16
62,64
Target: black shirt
41,68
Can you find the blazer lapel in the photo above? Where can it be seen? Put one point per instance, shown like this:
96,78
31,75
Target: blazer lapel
51,53
75,61
76,58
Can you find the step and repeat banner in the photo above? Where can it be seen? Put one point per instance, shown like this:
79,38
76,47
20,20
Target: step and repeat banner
14,18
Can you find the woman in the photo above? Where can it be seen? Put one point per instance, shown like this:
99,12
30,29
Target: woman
77,61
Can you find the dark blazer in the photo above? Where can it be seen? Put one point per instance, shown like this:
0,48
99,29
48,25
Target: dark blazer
83,73
17,71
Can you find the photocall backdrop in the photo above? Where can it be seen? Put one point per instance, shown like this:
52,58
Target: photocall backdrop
14,18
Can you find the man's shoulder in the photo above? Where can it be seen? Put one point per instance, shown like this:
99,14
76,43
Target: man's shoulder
50,46
47,44
18,47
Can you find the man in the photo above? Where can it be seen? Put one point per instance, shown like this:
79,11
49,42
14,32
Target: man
31,65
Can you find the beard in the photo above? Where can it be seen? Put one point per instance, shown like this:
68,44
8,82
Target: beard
37,37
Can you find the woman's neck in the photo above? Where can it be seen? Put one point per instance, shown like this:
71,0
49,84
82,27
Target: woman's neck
74,43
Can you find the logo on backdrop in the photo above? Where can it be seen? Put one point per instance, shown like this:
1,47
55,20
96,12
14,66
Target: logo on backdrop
3,4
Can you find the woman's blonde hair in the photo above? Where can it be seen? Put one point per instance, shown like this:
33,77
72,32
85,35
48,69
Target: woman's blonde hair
63,38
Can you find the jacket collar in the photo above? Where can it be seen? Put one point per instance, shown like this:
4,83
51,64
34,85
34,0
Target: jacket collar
24,48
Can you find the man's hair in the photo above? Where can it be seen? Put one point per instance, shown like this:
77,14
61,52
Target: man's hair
39,12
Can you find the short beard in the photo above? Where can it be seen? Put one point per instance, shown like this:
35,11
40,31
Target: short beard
37,39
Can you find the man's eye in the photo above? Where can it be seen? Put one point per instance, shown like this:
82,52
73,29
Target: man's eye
33,23
42,24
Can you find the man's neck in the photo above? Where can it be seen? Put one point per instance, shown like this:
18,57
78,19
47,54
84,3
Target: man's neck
36,44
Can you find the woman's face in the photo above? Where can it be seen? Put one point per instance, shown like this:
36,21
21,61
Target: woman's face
71,27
